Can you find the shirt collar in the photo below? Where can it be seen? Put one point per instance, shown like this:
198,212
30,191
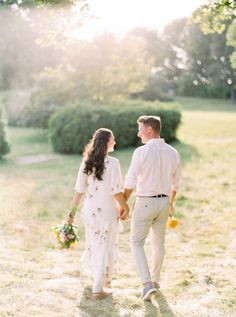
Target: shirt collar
156,140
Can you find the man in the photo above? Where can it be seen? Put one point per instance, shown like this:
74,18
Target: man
155,172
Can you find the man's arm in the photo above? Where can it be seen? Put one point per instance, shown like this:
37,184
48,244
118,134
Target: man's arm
172,198
132,176
175,184
127,193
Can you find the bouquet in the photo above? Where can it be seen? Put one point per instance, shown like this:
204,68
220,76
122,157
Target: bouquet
172,222
66,234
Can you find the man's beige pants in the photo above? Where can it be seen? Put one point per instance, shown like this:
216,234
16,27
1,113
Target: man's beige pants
149,212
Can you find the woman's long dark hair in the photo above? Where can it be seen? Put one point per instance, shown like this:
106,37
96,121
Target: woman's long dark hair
95,152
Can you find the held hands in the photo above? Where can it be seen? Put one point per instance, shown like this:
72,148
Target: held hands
124,213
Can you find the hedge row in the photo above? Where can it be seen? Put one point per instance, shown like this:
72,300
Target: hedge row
72,128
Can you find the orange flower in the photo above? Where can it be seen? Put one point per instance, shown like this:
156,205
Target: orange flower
172,222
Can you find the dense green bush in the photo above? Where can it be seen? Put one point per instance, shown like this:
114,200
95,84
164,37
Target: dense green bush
4,147
71,128
35,117
38,111
30,108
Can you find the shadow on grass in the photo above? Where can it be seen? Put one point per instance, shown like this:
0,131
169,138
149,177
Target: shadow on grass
151,310
164,309
97,308
187,151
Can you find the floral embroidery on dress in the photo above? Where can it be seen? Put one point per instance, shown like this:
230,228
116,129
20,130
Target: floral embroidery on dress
97,233
103,238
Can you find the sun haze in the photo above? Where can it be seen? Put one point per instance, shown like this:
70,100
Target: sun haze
120,16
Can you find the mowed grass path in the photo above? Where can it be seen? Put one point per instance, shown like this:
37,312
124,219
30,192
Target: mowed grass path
198,277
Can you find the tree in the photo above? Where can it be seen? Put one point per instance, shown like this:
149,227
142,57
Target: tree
208,69
158,86
231,40
30,3
218,16
104,69
17,48
214,15
188,62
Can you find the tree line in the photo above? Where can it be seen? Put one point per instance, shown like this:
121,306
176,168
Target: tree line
39,52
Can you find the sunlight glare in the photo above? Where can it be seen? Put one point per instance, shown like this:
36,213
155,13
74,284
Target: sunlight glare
118,17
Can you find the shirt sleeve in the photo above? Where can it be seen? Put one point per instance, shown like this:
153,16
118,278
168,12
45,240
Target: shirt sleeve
132,175
115,181
81,182
177,175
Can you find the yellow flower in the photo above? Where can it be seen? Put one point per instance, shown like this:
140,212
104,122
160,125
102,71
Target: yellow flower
172,222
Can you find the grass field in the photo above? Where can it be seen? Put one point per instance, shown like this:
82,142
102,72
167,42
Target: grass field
198,277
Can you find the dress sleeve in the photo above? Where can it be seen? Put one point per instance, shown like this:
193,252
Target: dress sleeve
81,182
115,181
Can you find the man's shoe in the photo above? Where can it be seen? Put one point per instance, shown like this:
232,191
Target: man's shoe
148,291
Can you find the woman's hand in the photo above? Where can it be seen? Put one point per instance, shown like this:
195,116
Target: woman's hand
69,219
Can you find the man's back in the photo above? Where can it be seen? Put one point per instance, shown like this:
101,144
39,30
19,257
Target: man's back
155,168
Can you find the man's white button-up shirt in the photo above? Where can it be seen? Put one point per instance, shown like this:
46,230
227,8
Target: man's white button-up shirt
155,169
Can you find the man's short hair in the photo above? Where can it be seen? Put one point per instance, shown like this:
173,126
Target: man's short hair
151,121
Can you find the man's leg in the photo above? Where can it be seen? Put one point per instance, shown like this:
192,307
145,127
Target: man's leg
140,224
158,242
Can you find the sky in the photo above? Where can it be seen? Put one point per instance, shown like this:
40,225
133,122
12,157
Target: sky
118,16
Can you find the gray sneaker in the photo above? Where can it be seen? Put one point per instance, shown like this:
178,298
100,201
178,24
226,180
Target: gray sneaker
148,291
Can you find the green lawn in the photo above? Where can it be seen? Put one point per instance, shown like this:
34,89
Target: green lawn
198,277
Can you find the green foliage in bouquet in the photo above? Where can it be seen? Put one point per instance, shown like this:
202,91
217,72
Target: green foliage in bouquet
71,128
66,234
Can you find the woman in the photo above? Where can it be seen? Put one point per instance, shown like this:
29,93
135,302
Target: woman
99,178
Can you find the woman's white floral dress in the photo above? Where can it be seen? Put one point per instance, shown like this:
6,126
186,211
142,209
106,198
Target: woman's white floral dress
100,216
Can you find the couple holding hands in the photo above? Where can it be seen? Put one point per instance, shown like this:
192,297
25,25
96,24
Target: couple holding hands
154,172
